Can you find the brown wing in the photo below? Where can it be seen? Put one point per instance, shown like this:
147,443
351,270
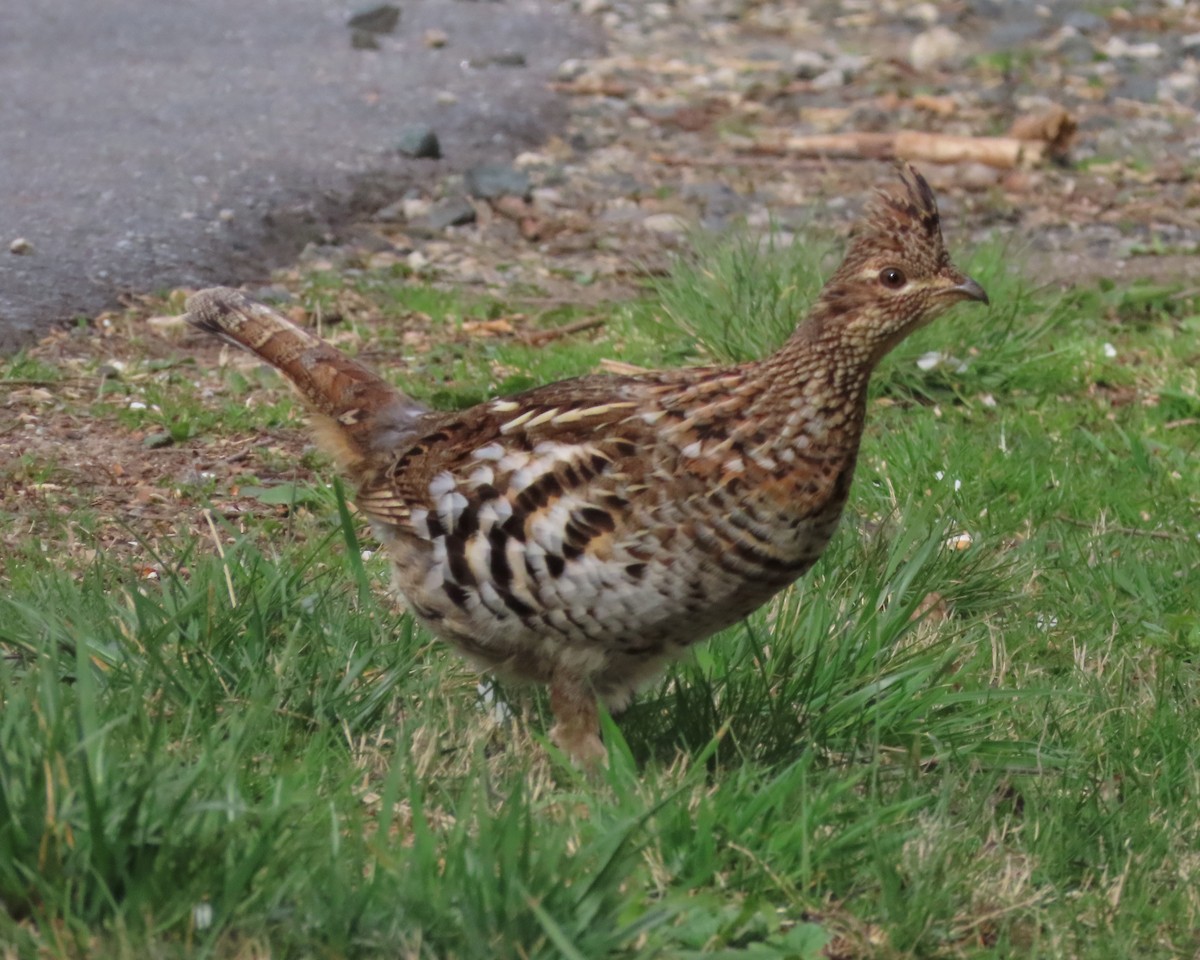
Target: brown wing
528,450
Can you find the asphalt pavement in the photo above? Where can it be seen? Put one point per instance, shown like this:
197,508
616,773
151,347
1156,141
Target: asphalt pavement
146,145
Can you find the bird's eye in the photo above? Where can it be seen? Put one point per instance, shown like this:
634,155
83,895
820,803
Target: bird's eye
892,278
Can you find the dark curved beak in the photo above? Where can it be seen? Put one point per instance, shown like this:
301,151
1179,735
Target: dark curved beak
970,290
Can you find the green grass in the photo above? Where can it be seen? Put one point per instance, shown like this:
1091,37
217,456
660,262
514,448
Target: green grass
919,751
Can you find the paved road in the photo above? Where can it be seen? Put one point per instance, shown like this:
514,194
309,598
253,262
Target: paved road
145,144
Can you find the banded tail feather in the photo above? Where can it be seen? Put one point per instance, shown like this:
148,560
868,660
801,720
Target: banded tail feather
356,411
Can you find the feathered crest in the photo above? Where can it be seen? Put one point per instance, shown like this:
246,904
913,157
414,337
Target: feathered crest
917,205
901,222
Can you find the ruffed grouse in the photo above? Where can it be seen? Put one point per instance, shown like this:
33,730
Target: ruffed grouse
583,533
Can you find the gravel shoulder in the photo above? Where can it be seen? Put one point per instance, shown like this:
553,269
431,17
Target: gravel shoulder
688,123
150,146
659,122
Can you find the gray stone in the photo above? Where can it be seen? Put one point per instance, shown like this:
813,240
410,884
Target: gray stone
829,80
718,199
418,140
1015,33
850,64
155,441
1181,86
451,212
363,40
380,18
620,183
510,58
392,213
1076,49
491,180
664,223
1084,21
363,238
808,64
986,9
1137,87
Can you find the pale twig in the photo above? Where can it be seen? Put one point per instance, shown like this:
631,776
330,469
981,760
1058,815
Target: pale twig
212,527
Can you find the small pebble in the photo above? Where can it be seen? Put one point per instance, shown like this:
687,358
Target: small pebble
452,212
1118,47
420,141
960,541
829,80
571,69
413,207
381,18
936,47
20,247
1084,21
510,58
155,441
202,915
807,64
925,14
666,223
491,180
392,213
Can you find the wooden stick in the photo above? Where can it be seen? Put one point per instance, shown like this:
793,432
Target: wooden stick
538,337
1004,153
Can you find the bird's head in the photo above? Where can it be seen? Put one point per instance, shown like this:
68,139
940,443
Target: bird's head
896,276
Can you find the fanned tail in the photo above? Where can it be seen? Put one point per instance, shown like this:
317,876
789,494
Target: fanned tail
357,412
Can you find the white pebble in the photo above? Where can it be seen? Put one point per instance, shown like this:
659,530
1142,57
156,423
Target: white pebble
960,541
202,915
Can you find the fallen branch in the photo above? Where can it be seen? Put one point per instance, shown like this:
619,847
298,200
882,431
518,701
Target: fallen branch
588,87
1052,126
536,338
1004,153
